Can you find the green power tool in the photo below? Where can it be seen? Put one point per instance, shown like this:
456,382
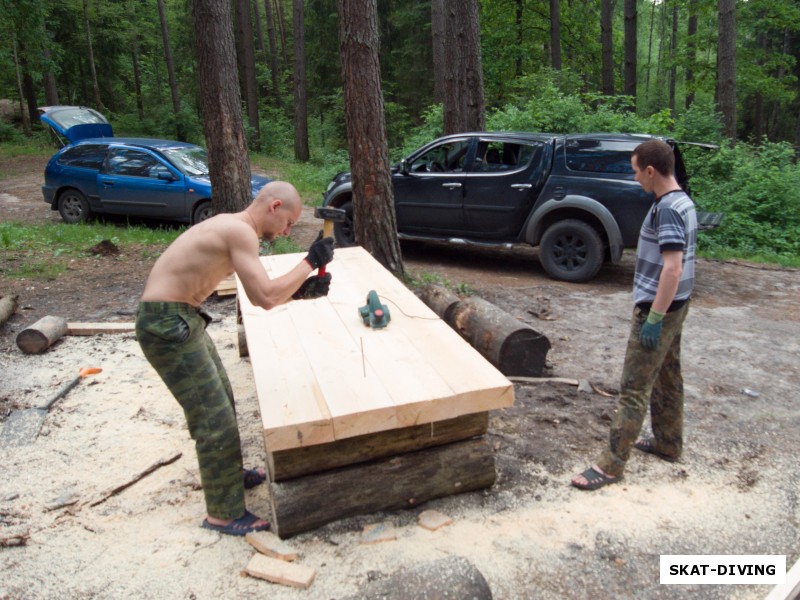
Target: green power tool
373,313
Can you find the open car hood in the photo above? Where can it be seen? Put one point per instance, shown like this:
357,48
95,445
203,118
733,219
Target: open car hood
73,123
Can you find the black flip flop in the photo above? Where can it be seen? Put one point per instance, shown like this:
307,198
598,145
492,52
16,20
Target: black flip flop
648,445
241,526
595,480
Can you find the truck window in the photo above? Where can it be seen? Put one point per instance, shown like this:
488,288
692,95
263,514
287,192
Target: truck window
600,156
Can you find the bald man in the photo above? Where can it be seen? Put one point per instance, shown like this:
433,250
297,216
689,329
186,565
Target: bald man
170,328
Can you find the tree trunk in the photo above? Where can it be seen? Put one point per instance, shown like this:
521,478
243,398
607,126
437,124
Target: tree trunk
454,105
256,13
373,198
282,28
631,46
726,67
137,76
673,69
38,337
24,114
607,45
301,152
173,85
555,34
649,50
520,38
220,99
476,107
273,51
691,52
49,79
90,57
247,62
28,87
438,33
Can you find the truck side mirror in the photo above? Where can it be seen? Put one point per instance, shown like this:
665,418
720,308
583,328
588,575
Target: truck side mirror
404,166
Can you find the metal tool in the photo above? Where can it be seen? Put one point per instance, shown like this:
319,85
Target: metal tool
329,215
23,426
373,313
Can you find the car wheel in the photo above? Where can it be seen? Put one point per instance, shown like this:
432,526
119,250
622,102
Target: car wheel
571,250
344,233
202,212
73,206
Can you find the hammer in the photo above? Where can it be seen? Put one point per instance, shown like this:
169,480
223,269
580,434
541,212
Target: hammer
330,216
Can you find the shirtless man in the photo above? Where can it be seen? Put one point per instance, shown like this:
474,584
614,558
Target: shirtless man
170,328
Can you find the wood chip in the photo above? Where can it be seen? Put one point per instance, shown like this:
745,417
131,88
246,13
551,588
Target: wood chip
280,571
433,520
378,532
270,544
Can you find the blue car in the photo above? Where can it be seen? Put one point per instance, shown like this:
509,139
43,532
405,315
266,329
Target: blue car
97,173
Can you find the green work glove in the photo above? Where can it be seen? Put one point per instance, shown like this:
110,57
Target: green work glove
321,252
650,332
313,287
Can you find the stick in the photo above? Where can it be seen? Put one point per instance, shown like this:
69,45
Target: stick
543,380
155,466
8,304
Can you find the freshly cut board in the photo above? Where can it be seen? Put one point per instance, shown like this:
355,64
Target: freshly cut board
322,375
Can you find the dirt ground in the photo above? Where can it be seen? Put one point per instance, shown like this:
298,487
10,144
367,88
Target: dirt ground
531,535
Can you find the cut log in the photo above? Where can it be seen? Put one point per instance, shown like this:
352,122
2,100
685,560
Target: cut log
8,305
510,345
439,299
451,577
41,335
403,481
296,462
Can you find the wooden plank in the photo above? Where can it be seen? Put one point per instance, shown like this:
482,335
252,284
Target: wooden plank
269,544
280,571
402,481
98,328
417,370
296,462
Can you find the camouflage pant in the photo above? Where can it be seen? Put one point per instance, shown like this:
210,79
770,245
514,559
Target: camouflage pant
654,378
173,338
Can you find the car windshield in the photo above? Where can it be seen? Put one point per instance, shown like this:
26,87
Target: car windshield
192,160
69,117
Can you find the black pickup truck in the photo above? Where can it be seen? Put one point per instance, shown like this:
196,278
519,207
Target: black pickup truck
574,196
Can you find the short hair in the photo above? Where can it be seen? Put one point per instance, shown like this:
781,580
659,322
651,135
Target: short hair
657,154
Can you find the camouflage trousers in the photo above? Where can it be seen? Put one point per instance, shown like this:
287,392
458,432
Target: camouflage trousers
652,378
173,338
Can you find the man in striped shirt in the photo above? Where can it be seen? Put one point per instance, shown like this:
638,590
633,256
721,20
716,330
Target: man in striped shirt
662,288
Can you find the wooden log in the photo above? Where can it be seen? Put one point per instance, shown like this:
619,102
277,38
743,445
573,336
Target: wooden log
41,335
8,305
402,481
451,577
296,462
510,345
439,299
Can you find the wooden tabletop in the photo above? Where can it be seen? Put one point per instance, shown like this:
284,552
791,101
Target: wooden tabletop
322,375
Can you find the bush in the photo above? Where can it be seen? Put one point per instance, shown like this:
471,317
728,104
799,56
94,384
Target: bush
758,189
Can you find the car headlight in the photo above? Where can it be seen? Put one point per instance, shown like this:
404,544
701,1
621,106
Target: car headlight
330,185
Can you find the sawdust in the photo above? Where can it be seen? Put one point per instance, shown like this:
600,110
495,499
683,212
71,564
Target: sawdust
531,534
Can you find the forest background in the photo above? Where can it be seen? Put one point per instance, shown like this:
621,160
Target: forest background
722,72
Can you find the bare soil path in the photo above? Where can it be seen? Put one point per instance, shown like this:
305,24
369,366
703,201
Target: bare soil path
735,491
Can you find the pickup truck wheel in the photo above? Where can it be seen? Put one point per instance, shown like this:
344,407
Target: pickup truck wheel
73,206
344,233
571,250
202,212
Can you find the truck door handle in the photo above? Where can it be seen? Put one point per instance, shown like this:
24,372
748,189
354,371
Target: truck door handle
521,186
451,186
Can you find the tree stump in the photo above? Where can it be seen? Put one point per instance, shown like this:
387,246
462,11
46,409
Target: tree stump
41,335
451,577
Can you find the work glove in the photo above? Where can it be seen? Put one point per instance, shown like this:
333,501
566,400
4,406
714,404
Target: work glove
315,286
650,332
320,253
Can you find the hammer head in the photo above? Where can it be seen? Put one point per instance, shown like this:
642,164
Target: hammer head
328,213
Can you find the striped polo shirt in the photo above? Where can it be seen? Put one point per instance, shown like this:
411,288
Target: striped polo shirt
671,224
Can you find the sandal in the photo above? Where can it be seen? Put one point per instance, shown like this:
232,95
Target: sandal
241,526
253,477
649,445
594,480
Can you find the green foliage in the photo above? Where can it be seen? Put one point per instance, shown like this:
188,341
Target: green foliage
758,189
